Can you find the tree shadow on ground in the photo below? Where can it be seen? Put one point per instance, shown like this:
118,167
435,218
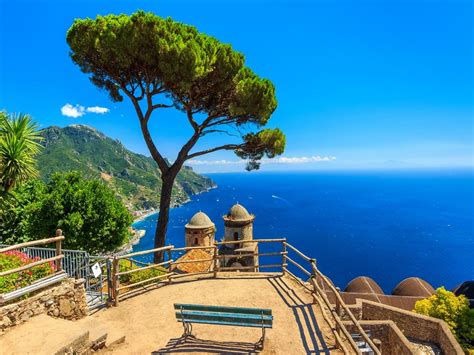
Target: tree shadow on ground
311,335
191,344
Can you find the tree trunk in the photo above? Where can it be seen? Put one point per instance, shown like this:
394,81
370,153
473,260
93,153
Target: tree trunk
163,216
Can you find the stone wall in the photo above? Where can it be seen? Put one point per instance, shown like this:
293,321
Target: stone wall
413,325
65,300
403,302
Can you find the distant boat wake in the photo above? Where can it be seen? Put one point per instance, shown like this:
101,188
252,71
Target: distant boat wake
281,198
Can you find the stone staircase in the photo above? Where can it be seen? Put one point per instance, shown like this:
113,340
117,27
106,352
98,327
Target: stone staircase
361,344
83,345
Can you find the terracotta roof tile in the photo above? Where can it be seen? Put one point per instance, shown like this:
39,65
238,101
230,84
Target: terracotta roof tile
195,254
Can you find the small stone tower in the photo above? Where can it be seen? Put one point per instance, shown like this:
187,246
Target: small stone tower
238,225
200,231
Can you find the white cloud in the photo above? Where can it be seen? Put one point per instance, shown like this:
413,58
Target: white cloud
69,110
279,160
299,160
73,111
215,162
97,109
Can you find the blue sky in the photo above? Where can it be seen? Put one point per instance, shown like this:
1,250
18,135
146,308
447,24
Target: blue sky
360,84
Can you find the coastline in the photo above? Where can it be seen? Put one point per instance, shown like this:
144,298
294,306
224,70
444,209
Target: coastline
146,214
137,234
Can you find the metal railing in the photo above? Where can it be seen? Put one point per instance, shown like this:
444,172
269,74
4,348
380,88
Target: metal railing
75,263
40,283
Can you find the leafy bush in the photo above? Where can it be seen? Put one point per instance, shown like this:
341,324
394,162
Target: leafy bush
87,211
17,212
455,311
13,259
126,265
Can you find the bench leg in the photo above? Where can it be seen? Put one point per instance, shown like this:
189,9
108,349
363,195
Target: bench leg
188,328
261,342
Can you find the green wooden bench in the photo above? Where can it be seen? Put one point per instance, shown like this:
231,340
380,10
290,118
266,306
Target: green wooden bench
222,315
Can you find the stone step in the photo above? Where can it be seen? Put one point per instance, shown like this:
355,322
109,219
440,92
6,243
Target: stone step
82,345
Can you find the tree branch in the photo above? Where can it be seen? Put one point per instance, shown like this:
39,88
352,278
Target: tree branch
203,133
142,90
211,150
161,106
157,157
189,114
206,122
183,153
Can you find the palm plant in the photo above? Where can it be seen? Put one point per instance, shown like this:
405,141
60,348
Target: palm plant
19,143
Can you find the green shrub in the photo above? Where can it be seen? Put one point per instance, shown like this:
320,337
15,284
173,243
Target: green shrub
455,311
13,259
87,211
128,279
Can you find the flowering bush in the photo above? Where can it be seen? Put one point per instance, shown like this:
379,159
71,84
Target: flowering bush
13,259
455,311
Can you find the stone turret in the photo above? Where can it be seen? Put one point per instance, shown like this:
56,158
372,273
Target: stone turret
200,231
238,226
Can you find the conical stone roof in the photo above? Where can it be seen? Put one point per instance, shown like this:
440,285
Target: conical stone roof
238,213
364,284
413,286
199,221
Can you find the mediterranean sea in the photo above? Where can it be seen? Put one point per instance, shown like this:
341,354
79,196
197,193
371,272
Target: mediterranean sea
388,225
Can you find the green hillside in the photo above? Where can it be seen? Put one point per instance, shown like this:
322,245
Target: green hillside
134,177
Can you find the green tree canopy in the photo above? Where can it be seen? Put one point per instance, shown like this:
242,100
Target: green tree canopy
18,210
87,211
160,63
144,56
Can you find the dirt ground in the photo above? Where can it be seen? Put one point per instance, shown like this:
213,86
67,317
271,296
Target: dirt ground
148,321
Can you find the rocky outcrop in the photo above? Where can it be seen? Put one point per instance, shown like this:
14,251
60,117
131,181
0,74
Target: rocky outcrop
66,300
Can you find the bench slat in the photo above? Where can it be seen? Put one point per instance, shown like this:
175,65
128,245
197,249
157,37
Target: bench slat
218,320
200,315
229,323
224,309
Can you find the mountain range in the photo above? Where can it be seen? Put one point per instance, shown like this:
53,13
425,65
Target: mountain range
135,178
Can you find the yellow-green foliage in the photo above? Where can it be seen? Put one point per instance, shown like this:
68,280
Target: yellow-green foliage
126,265
455,311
